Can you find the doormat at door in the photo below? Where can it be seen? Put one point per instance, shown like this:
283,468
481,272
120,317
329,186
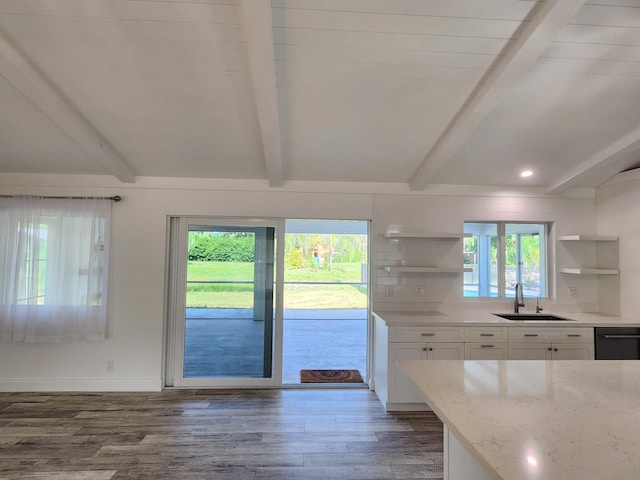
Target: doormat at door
330,376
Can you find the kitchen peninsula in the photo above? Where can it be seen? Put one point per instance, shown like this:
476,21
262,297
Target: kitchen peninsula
534,420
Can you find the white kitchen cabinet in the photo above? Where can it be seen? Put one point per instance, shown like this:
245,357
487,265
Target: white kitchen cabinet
530,351
486,334
551,334
402,389
550,343
486,351
486,343
394,344
550,351
572,351
496,342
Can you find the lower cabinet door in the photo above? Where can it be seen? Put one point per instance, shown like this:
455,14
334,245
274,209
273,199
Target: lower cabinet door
401,387
486,351
529,351
445,351
572,351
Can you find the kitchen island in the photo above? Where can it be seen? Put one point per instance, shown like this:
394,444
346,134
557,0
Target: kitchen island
535,420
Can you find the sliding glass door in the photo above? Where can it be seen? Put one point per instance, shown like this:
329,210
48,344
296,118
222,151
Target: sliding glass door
225,328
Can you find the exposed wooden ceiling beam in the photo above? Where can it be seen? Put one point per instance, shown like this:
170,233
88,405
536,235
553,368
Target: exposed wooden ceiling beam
618,150
259,31
15,67
517,60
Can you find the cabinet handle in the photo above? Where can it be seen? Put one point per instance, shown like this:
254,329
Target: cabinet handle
430,348
487,346
573,335
530,334
424,349
555,349
549,348
428,334
486,334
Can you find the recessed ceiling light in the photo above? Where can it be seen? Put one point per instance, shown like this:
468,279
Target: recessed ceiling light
526,173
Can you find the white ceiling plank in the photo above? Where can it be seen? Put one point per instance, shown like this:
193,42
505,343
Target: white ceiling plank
618,150
518,58
324,54
259,31
495,9
387,23
390,41
19,72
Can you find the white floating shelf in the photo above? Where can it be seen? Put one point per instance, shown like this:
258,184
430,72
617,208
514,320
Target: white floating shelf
406,269
590,271
593,238
452,236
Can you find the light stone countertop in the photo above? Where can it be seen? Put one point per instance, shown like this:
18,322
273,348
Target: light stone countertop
473,318
539,420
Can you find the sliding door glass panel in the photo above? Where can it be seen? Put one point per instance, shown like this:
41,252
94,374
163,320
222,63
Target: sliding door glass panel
326,298
229,302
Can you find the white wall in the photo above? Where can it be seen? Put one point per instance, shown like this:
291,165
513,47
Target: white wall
447,214
137,295
617,204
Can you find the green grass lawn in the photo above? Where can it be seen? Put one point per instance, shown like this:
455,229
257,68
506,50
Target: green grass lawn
243,272
295,296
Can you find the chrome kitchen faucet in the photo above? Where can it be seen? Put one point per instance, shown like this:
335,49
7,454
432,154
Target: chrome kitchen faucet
518,301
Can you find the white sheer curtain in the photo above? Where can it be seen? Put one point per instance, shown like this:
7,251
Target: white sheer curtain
54,259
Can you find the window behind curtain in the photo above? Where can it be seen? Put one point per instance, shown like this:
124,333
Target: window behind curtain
502,254
54,258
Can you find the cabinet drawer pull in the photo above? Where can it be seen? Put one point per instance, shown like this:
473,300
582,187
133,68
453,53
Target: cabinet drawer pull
530,334
574,335
428,334
486,335
487,346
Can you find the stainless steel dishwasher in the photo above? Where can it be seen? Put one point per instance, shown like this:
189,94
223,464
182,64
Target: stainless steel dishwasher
617,343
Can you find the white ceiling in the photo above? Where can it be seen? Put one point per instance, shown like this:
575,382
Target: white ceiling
412,91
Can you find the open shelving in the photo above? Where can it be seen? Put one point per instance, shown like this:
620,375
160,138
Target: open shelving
417,269
589,238
586,270
426,235
589,271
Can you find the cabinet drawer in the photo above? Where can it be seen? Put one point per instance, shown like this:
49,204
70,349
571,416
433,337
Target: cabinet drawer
551,334
426,334
486,351
485,334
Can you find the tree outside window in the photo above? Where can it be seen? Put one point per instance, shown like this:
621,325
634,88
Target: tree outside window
502,254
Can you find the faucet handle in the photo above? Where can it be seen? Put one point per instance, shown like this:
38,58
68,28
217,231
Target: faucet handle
538,307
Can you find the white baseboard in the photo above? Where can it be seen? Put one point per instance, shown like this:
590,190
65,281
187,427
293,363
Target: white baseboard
144,384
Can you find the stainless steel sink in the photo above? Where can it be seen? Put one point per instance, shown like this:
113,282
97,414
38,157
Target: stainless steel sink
532,317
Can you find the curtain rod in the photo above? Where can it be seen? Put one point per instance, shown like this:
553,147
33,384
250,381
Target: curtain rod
115,198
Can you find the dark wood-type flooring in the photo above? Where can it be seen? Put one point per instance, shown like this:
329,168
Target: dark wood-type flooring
327,434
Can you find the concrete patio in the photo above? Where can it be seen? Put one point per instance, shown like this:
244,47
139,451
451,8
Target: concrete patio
228,342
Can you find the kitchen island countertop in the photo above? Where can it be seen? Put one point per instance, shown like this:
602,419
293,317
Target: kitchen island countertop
538,420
